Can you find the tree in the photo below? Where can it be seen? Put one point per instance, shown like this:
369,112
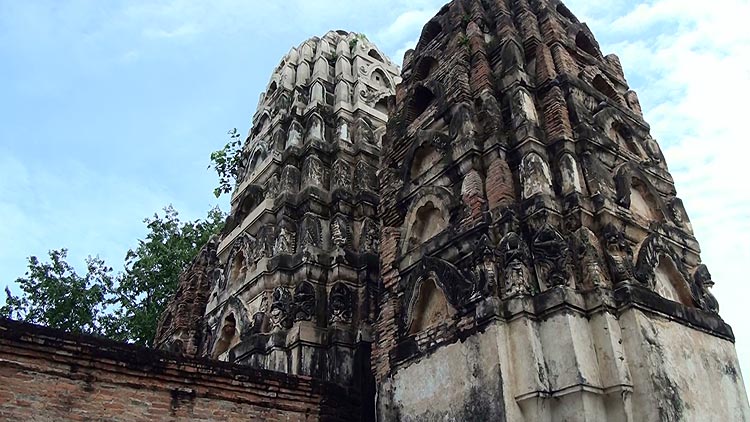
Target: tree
228,163
125,306
56,296
152,271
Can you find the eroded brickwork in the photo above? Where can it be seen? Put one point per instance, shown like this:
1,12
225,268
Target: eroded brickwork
50,376
527,216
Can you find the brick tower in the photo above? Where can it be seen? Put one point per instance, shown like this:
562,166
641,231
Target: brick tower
536,262
292,285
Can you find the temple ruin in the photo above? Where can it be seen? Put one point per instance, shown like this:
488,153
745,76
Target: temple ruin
489,234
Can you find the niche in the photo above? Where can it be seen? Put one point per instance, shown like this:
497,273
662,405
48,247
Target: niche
227,336
584,43
670,284
428,223
239,268
271,89
430,31
623,136
421,99
379,79
424,159
424,69
374,54
430,307
605,88
642,203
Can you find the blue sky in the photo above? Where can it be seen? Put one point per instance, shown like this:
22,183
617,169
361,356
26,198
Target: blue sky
110,109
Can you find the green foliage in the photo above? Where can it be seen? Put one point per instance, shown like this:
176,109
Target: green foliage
354,41
227,162
56,296
152,271
124,307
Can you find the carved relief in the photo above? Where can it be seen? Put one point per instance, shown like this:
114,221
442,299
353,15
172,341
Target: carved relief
551,255
702,279
341,236
281,309
369,239
313,173
342,175
310,233
304,302
590,259
284,241
619,255
341,304
535,176
365,177
515,257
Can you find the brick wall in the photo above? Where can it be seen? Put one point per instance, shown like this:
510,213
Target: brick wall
48,375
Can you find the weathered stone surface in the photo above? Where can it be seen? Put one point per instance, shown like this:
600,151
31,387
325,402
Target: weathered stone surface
578,228
509,248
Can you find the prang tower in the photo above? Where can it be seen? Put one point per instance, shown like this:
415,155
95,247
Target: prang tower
290,284
536,262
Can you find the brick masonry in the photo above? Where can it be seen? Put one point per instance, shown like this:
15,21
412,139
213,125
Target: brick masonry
48,375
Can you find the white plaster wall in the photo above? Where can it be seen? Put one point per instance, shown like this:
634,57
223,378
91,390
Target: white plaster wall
681,374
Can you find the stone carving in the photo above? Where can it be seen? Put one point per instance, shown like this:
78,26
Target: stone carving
342,175
272,187
341,304
550,252
365,177
342,131
619,255
369,240
363,132
310,233
340,233
284,242
590,260
313,173
515,257
569,177
315,129
281,309
289,179
462,123
535,176
484,269
294,138
702,279
458,290
304,302
598,177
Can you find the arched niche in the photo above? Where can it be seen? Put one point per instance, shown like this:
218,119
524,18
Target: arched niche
624,137
375,55
424,68
380,80
256,157
584,43
303,73
343,93
315,128
228,336
570,179
421,99
427,218
288,77
425,158
271,89
660,267
669,283
320,70
317,93
430,31
343,67
236,269
635,192
535,176
642,203
430,307
603,86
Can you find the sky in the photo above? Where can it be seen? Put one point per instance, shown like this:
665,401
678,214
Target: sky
110,110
